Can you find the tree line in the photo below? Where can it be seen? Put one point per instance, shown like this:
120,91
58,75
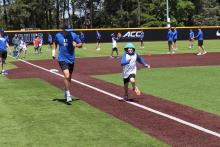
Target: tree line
52,14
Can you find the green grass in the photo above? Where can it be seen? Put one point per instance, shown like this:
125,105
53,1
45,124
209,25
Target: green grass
197,87
157,47
30,118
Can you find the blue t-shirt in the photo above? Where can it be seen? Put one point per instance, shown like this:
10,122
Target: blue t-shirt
170,35
191,35
49,38
82,36
3,43
66,49
200,35
142,35
98,35
175,35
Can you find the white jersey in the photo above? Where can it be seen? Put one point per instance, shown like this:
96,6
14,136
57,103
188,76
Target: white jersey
131,67
114,42
41,43
128,63
22,45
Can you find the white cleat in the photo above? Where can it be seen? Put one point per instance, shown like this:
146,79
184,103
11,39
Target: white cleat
68,99
199,54
204,53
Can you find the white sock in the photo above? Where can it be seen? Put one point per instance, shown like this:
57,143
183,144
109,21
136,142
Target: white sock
68,93
53,52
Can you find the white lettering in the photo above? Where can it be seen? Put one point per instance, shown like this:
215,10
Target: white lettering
132,34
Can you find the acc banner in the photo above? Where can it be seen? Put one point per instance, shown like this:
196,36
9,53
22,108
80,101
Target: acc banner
132,34
127,34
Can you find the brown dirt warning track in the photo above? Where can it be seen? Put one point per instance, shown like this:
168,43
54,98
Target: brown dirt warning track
163,128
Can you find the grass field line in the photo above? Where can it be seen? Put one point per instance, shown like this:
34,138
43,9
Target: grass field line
132,103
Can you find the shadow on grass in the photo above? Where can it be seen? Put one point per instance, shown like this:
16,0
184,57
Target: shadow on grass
64,101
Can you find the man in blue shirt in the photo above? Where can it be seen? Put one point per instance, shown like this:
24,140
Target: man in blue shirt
98,38
67,41
170,41
142,39
50,41
3,50
175,34
201,50
83,39
191,38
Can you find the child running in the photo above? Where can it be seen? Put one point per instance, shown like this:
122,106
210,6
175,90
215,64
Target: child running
128,62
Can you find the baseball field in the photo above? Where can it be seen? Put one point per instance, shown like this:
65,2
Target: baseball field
179,104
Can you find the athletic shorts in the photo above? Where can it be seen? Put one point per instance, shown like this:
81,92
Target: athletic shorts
170,43
126,80
3,54
200,42
115,49
64,66
83,40
174,40
36,47
98,40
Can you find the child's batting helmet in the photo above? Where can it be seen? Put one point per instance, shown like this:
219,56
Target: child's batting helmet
129,45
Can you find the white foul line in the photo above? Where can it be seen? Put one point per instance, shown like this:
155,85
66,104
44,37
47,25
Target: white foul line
133,103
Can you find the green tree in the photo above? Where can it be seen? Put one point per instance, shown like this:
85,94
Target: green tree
207,12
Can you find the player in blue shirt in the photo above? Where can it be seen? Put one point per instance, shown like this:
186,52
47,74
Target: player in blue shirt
175,36
170,41
98,38
67,41
83,39
201,50
3,50
191,38
51,45
142,39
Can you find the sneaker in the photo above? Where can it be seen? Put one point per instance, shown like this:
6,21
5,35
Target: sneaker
204,52
199,54
4,72
137,91
111,57
68,99
126,98
98,49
